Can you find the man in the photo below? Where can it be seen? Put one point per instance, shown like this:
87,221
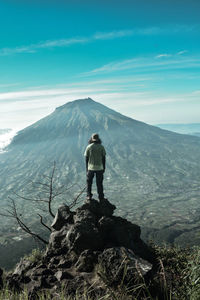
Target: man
95,156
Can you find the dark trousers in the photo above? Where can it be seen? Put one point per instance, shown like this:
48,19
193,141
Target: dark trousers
99,183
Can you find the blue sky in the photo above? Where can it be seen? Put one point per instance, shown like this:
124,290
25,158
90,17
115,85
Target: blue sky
141,58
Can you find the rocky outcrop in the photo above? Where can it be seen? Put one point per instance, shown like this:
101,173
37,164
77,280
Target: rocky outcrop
87,247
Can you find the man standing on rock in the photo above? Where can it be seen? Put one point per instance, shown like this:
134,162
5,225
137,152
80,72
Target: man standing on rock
95,156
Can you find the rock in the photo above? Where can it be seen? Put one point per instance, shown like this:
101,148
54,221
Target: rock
85,216
79,285
118,231
57,242
13,282
84,236
34,287
64,264
60,275
23,266
87,261
82,246
106,207
103,208
119,263
63,216
40,272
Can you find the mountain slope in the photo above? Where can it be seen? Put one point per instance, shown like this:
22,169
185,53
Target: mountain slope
152,174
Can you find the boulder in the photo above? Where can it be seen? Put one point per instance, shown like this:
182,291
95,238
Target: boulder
118,231
84,244
63,216
119,263
102,208
84,235
87,261
23,266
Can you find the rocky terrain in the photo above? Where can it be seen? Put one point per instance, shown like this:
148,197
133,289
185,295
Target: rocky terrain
88,247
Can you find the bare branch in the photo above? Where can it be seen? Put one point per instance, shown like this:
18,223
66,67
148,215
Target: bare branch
42,184
6,215
41,221
46,193
28,199
51,189
23,226
62,190
76,198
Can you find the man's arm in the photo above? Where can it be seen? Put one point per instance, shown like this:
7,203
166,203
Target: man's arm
104,158
86,161
104,162
86,154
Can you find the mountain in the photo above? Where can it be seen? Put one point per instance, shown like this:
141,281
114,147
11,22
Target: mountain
193,128
152,174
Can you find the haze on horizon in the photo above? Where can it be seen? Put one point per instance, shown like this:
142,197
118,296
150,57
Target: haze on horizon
138,58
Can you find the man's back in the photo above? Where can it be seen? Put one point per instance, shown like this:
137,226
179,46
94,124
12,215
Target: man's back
95,153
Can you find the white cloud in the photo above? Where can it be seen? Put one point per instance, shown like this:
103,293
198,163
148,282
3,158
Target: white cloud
46,93
112,34
97,36
22,108
5,139
65,42
197,92
182,52
42,45
163,55
148,63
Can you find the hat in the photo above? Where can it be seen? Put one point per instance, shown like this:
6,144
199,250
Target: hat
95,137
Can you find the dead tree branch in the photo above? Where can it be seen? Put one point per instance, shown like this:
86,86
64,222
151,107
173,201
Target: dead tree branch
49,191
75,201
41,221
14,214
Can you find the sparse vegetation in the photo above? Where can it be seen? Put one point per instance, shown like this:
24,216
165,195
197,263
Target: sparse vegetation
35,256
178,278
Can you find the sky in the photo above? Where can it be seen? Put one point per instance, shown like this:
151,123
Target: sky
140,58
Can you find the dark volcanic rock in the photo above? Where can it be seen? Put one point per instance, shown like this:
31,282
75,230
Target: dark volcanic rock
63,216
82,244
84,236
102,208
87,261
120,262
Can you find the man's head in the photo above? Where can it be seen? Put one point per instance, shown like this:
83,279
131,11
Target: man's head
95,139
